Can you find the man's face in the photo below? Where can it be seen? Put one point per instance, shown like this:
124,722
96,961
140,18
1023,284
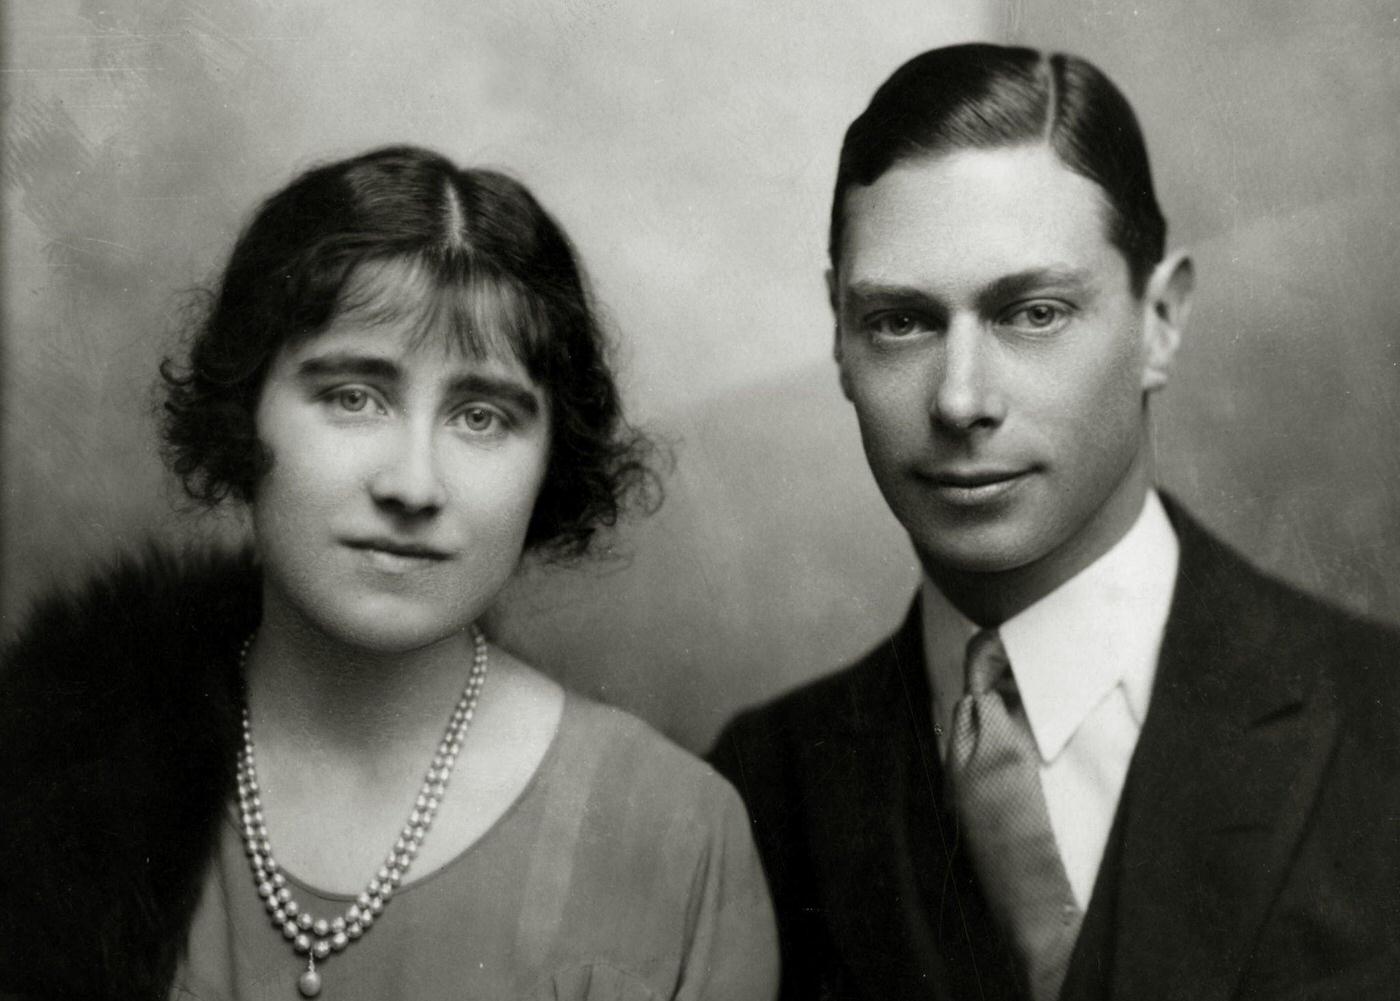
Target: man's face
989,339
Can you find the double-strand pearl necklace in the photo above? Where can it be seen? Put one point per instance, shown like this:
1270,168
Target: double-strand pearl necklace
316,938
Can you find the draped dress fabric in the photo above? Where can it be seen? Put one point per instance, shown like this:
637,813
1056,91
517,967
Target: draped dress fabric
624,871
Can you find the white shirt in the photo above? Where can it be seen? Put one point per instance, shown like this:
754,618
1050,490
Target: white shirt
1084,658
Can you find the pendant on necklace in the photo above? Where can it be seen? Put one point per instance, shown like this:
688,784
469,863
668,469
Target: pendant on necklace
309,983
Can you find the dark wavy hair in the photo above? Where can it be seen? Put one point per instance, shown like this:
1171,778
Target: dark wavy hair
980,96
485,246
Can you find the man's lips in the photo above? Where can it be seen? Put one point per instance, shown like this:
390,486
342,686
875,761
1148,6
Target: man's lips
968,479
399,548
972,486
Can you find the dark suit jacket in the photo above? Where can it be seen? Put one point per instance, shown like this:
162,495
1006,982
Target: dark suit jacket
1255,852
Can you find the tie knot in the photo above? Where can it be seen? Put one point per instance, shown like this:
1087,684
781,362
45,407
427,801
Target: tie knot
986,662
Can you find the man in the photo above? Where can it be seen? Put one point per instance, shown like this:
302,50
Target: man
1103,757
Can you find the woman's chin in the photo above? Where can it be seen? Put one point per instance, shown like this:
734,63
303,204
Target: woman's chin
391,631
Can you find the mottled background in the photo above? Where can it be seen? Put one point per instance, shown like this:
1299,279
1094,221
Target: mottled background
689,149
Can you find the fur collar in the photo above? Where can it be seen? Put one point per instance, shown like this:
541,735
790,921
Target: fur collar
119,709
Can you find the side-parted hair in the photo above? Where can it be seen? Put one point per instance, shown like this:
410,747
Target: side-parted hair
488,266
980,96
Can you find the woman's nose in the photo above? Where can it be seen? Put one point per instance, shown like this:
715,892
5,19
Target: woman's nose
409,480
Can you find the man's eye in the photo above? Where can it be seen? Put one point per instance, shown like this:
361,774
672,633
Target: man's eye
1038,316
894,324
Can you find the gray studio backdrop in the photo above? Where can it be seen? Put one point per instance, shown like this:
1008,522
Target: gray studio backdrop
689,149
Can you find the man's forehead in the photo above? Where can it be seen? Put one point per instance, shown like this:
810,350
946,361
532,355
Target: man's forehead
975,214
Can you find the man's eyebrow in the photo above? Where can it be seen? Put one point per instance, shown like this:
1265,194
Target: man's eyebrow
346,364
1023,283
508,390
994,295
865,291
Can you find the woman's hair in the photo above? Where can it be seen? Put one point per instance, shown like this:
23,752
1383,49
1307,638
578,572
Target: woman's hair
488,260
980,96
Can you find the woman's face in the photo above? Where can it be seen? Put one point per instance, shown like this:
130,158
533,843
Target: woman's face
403,478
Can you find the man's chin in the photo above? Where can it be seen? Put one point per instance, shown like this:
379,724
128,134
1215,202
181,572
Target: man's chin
988,550
984,565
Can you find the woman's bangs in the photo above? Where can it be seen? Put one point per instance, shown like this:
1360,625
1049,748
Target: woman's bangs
472,309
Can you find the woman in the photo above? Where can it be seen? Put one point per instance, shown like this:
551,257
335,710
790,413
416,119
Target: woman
307,769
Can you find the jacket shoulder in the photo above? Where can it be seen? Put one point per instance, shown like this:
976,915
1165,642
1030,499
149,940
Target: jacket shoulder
1284,637
1296,623
852,697
1358,657
768,749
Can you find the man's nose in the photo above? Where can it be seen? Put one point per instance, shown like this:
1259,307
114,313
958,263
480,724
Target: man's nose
967,395
409,478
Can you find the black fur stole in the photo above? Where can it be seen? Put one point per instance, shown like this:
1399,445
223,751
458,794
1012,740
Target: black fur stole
119,725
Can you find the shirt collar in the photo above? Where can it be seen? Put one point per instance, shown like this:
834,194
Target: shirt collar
1100,630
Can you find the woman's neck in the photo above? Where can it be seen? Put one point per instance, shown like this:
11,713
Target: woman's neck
343,738
332,698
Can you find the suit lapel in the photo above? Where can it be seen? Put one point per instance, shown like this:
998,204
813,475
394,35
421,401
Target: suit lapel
1228,763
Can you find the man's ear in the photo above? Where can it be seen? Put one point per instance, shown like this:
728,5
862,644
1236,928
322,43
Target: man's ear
841,373
834,298
1166,306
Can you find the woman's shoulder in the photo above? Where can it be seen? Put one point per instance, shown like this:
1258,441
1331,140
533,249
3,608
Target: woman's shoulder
662,850
624,758
620,734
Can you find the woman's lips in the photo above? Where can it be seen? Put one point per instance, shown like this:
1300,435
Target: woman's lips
395,555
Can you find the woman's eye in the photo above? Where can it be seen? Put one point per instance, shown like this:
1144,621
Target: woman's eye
352,399
479,419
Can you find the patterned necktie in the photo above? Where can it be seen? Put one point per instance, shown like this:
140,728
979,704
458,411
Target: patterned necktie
994,771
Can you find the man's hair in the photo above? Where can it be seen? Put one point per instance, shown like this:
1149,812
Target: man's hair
485,263
980,96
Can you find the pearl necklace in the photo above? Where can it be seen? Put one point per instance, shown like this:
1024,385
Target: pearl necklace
317,938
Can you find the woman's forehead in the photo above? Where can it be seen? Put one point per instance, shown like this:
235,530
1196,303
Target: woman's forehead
456,310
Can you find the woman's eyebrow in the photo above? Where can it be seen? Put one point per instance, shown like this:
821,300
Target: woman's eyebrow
343,364
509,390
